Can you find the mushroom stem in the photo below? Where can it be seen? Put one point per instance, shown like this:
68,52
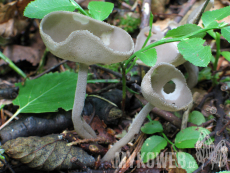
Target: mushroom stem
134,129
80,126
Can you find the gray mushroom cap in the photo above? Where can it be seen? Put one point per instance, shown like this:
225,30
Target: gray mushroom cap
165,53
79,38
153,83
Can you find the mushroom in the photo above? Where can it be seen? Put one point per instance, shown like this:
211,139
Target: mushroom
81,39
152,88
165,53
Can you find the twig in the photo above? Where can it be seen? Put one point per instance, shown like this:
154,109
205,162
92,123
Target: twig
223,128
186,7
207,123
12,65
164,114
80,141
146,10
107,70
7,165
110,87
50,69
202,11
202,166
130,160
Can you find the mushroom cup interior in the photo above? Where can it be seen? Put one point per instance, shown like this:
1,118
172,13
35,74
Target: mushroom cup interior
154,88
60,26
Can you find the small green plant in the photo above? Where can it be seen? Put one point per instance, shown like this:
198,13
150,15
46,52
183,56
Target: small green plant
129,23
191,39
186,138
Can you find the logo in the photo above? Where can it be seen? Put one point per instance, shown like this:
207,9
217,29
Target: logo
205,149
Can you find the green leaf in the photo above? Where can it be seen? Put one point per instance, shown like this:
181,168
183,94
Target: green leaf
226,55
209,17
196,117
185,30
188,137
150,29
152,127
212,33
50,92
39,8
151,147
186,161
194,51
47,93
149,57
205,74
226,33
100,10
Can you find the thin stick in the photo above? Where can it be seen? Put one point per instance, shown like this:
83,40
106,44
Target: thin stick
50,69
12,65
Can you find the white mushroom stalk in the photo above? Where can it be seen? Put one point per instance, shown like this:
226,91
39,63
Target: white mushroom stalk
152,88
79,38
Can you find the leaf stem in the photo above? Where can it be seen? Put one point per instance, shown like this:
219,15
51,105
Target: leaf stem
131,66
217,51
11,118
78,7
173,145
163,41
150,29
103,81
2,106
12,65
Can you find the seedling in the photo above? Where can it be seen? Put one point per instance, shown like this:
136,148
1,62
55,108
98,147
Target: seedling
186,138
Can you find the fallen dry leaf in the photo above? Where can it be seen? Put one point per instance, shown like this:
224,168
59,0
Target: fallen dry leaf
47,153
31,53
100,127
12,27
12,21
158,6
12,10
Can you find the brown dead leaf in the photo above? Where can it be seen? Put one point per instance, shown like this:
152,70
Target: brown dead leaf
177,170
12,21
21,4
197,98
7,11
47,153
100,127
12,10
31,53
158,6
12,27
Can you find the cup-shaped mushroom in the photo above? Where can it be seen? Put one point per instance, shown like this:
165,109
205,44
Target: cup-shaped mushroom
165,53
79,38
153,88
